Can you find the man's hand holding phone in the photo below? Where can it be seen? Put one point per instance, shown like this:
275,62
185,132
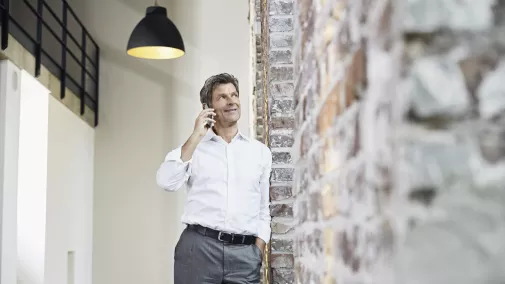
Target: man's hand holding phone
202,124
204,121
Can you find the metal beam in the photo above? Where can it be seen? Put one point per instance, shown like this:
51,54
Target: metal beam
4,15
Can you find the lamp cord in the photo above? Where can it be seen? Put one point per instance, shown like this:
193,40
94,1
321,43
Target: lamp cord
156,3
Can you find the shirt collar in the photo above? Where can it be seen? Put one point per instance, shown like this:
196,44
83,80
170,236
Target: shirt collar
241,135
211,135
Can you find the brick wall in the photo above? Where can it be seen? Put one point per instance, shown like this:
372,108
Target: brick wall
343,121
397,140
399,116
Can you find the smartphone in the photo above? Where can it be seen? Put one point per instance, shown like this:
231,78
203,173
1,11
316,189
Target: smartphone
209,124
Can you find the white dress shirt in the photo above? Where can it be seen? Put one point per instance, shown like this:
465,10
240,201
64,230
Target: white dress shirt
227,184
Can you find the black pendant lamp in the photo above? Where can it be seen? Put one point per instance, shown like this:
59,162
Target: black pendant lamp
156,36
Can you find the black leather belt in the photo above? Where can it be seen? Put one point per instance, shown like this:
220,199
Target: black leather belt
224,237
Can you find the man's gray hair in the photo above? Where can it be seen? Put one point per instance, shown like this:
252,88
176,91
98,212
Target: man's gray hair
214,81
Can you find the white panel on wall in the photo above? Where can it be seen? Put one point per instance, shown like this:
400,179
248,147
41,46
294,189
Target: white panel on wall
9,144
46,185
32,180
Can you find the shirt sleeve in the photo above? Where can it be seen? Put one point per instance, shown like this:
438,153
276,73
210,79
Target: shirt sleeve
264,229
173,172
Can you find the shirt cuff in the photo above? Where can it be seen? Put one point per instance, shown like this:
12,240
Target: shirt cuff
264,232
175,155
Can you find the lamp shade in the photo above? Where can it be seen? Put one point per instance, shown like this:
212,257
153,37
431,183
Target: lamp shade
156,37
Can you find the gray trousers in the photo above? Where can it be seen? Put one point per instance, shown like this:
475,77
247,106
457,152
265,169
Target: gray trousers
203,260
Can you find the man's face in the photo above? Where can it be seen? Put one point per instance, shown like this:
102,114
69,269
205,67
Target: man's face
226,104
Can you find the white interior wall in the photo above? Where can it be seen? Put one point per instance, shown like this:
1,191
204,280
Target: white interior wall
32,181
131,243
146,109
55,190
217,38
130,212
46,186
69,197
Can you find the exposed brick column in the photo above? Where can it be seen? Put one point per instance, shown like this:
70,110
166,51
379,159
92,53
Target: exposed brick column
274,104
281,123
275,108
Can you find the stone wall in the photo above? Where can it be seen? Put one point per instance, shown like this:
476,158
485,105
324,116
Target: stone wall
397,141
450,188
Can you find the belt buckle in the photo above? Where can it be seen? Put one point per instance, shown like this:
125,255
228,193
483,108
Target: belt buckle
219,237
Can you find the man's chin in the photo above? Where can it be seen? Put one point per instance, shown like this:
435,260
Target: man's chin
233,119
231,122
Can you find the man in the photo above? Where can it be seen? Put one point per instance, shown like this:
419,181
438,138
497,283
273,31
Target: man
227,177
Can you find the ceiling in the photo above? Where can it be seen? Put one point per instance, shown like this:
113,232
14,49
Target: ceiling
141,5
